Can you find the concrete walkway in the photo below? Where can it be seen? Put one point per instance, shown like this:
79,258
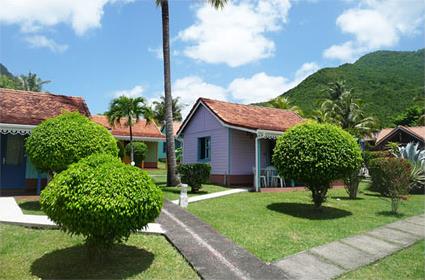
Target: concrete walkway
212,195
212,255
11,213
333,259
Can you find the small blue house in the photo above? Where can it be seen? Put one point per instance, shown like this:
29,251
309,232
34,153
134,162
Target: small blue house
20,112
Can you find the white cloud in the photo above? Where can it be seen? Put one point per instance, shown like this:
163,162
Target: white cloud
136,91
262,87
236,34
40,41
190,88
80,14
376,24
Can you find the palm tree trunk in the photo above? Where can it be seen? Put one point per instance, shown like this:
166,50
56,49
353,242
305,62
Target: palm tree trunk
131,145
172,179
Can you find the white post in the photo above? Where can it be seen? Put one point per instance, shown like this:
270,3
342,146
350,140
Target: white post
183,200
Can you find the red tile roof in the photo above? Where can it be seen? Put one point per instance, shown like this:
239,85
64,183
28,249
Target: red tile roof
250,116
31,108
417,131
140,129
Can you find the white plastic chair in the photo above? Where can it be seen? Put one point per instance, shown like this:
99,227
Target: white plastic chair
263,178
274,177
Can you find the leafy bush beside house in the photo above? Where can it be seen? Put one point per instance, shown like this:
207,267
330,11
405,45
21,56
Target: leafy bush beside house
60,141
194,174
316,154
102,199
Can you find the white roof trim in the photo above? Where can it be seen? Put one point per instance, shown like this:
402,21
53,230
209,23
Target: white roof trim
14,129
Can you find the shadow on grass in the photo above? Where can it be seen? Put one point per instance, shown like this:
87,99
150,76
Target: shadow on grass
72,263
346,198
307,211
30,205
390,214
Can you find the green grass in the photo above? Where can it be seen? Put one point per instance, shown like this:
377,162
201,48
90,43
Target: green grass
275,225
172,193
33,254
406,264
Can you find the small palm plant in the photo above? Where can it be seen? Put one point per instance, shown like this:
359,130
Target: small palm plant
130,110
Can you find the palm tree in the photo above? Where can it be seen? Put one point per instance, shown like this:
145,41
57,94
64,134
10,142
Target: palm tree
337,88
345,110
131,110
172,179
284,104
159,110
31,82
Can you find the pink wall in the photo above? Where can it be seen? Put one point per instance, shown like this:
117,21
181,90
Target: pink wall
242,157
204,124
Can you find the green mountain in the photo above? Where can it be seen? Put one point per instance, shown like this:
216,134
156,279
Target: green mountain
5,72
386,81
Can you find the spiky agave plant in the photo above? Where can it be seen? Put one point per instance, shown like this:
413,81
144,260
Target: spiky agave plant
416,157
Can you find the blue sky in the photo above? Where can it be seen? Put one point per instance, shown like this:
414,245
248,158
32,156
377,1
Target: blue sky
250,51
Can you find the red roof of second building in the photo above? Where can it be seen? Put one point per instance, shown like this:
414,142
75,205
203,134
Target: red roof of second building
140,129
31,108
251,116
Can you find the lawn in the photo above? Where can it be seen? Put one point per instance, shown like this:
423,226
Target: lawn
406,264
33,254
275,225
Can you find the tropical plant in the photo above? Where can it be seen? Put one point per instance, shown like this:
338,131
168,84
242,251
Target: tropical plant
32,82
9,82
284,104
391,177
139,150
101,199
416,157
351,183
159,110
130,110
316,154
194,174
60,141
172,179
346,111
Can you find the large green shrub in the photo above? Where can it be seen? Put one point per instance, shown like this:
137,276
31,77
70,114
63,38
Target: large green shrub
102,199
316,154
194,174
65,139
139,149
391,177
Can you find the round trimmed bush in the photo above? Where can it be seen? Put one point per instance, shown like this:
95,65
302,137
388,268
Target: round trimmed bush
65,139
316,154
139,149
102,199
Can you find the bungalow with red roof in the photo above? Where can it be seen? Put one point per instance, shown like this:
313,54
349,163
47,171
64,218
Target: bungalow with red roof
400,134
236,140
146,132
20,112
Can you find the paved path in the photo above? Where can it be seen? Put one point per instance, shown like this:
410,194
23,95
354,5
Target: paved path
11,213
333,259
212,255
212,195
